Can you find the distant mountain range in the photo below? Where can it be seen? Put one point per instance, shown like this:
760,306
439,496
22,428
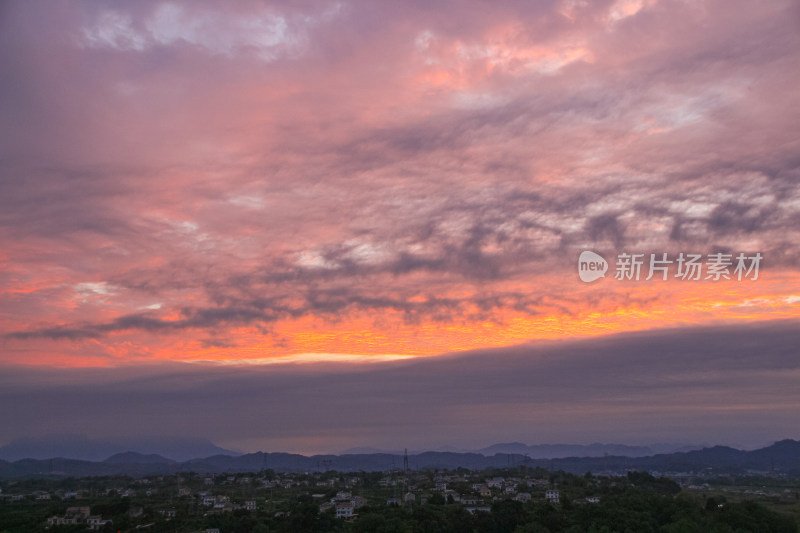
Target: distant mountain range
549,451
783,456
184,449
86,449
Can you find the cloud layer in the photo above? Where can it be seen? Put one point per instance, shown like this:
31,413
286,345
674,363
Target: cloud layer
735,385
190,181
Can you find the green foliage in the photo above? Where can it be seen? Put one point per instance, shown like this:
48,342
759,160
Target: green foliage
662,485
750,516
636,503
436,499
115,507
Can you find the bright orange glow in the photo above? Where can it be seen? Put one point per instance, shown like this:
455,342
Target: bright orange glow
393,192
602,308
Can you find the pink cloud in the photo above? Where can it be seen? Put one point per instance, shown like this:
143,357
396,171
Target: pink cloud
213,168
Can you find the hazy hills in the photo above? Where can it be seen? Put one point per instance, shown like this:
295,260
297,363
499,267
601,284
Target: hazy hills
185,449
86,449
548,451
783,456
555,451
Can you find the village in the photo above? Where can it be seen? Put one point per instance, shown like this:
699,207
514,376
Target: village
334,501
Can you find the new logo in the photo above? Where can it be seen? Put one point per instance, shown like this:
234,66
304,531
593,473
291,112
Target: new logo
591,266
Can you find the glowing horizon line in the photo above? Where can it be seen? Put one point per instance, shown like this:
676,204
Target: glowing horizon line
306,358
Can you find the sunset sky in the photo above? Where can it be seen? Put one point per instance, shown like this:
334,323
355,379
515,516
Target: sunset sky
354,211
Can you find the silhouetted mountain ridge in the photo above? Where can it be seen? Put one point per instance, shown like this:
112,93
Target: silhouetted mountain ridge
91,449
545,451
137,458
553,451
783,456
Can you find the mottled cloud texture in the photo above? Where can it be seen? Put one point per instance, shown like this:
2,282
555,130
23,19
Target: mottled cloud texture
370,181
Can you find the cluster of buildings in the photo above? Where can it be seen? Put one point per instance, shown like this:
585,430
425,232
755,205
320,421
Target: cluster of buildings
221,503
420,488
344,503
77,516
158,497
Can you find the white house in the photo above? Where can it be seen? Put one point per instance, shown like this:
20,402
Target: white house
344,510
96,522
